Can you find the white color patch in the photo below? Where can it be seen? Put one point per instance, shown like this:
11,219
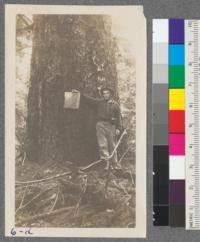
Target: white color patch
176,167
160,31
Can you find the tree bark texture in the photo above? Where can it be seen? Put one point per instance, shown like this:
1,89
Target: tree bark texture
69,52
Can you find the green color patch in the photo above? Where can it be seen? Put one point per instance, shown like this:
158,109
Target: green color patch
177,76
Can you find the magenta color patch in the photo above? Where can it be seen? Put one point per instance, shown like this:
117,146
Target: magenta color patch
177,144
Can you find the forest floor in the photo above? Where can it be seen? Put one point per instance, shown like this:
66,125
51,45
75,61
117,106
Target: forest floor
63,196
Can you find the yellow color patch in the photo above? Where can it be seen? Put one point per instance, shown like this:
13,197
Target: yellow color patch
176,99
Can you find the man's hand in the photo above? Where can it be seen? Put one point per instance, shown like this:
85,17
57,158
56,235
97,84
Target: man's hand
117,132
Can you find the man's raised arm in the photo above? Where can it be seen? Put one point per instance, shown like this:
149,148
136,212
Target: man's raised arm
91,101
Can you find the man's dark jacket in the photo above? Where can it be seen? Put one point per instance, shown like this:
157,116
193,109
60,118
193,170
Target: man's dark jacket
108,111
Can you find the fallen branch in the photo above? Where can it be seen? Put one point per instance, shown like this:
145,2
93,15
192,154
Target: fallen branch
22,201
118,143
44,179
130,225
44,204
131,175
128,196
80,170
85,168
96,178
81,196
62,197
56,199
24,159
107,180
110,157
34,198
118,187
43,215
107,158
125,153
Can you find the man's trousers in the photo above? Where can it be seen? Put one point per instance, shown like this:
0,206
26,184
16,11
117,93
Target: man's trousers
106,139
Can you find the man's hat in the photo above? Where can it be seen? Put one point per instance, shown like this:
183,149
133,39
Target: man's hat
107,89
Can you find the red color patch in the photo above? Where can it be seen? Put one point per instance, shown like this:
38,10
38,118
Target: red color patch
177,121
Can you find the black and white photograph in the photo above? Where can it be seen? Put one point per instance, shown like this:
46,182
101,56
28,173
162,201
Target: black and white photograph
75,145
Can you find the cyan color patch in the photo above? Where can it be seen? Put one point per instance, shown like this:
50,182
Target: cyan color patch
176,54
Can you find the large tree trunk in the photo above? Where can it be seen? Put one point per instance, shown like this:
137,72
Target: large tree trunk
69,52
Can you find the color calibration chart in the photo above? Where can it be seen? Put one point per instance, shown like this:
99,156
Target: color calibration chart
176,123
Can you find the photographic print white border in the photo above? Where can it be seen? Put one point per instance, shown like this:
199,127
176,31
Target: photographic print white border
11,10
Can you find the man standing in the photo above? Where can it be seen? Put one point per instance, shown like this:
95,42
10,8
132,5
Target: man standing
109,123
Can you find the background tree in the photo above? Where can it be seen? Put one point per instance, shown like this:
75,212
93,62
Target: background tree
23,56
69,52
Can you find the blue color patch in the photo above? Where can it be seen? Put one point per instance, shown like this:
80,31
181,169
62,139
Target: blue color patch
176,54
